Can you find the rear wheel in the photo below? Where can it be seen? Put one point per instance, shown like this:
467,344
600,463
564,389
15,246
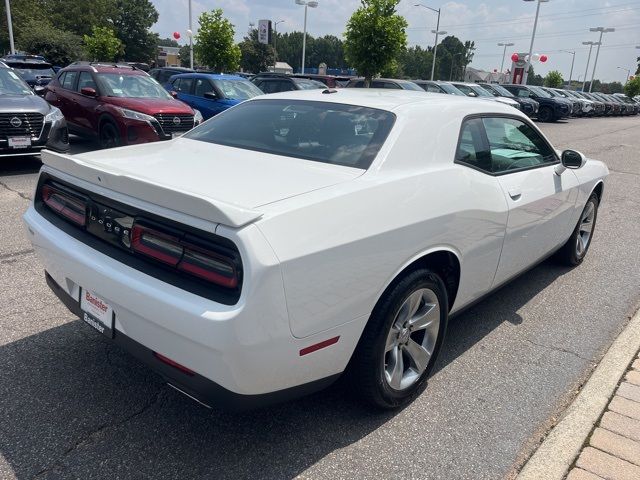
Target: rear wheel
109,135
573,252
545,114
398,348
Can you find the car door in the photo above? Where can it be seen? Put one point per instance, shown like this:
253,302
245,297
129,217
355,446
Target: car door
208,106
541,203
85,106
184,88
65,96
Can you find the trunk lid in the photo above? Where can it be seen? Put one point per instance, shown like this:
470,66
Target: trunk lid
212,182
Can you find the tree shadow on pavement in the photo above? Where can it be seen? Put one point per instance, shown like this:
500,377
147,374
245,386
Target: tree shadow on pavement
75,406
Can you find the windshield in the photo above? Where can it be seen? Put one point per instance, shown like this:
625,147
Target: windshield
237,89
562,93
465,89
540,92
306,84
131,86
33,73
324,132
500,90
451,89
411,86
12,84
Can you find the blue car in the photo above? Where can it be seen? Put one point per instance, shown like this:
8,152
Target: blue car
211,93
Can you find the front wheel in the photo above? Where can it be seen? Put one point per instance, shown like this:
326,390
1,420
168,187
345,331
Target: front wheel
109,135
400,343
573,252
545,114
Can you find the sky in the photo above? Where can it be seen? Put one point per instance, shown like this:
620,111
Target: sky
563,25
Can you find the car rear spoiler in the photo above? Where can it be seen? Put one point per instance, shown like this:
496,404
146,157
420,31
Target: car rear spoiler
198,206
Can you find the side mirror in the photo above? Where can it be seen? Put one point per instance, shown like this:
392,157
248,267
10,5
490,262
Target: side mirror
210,95
173,93
89,92
570,159
40,90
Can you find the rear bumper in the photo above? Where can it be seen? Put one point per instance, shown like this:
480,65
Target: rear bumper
199,388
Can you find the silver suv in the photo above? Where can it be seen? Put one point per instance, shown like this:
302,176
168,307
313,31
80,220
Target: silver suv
27,122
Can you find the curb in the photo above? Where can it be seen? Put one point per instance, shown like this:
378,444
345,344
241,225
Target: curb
561,447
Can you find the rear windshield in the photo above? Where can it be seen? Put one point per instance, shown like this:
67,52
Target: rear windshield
12,84
324,132
306,84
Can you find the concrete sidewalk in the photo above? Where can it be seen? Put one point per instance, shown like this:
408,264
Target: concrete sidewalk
598,436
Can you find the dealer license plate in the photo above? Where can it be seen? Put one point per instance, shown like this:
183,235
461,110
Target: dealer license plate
96,312
19,142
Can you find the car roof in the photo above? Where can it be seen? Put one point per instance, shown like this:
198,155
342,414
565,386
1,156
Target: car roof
213,76
393,100
104,68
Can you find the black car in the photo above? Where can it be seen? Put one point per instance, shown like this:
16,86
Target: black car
551,109
163,74
276,82
391,83
433,86
576,106
528,105
27,122
33,69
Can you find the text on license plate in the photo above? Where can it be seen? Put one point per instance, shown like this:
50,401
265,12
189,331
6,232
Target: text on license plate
19,142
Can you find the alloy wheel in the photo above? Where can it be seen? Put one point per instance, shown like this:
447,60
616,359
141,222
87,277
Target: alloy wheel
585,229
411,339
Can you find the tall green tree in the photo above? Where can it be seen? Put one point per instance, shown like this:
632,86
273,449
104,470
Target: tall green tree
102,45
79,17
632,88
22,13
214,45
132,22
453,56
255,56
375,37
185,56
553,79
58,47
416,62
167,42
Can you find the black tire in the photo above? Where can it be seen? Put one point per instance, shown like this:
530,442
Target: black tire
570,254
545,114
109,135
366,371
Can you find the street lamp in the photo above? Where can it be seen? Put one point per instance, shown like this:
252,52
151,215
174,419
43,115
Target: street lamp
505,45
306,3
190,35
602,31
627,70
437,31
586,69
275,38
10,26
527,66
572,60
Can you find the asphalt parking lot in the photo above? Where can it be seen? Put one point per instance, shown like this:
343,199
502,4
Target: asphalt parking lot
74,406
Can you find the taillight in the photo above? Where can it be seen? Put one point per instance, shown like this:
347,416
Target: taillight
67,206
194,260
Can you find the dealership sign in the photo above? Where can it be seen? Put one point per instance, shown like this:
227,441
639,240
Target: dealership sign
264,31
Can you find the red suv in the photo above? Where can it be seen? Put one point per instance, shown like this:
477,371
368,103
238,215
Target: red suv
118,104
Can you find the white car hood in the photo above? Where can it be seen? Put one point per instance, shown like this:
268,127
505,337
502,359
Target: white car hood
214,182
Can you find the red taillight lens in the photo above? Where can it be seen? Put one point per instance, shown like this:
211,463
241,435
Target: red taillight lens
209,266
65,205
194,260
158,245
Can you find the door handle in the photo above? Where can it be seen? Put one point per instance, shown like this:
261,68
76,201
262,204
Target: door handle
515,193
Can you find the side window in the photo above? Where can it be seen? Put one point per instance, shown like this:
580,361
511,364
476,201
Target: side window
434,89
285,86
202,86
472,146
515,145
184,85
86,81
61,77
69,80
154,74
164,75
268,86
176,85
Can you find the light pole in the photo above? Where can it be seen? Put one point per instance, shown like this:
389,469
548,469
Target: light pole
10,26
586,69
190,34
627,70
527,66
275,38
504,52
602,31
306,3
437,31
572,60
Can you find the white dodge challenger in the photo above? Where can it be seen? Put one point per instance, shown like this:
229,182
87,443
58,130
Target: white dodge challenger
300,236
